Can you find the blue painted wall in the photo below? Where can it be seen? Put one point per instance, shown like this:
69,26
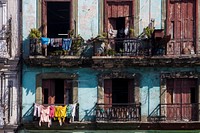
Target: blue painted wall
87,87
87,81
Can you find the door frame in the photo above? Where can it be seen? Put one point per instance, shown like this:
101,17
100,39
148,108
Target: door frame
173,75
196,22
56,75
112,75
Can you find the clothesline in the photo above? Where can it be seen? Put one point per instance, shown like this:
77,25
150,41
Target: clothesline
47,112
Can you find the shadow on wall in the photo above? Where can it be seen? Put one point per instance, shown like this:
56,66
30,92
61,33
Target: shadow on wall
28,116
89,115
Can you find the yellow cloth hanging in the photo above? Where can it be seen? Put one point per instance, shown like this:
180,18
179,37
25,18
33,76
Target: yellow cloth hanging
60,113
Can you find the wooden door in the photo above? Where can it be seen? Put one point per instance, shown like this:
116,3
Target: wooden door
68,92
108,92
48,91
116,9
181,24
179,92
131,91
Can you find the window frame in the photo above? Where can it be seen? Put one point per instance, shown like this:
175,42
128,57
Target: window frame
44,14
56,75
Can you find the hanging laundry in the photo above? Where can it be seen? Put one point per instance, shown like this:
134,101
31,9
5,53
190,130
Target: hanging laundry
71,111
60,113
52,42
37,109
45,40
44,116
51,111
58,42
67,43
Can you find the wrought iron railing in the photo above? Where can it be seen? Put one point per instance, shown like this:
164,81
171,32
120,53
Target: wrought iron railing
101,47
118,112
56,46
175,112
5,39
122,47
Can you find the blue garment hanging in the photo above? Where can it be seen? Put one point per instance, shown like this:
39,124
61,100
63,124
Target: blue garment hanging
45,40
67,43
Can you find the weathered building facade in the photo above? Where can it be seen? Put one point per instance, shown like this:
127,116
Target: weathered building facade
10,53
130,61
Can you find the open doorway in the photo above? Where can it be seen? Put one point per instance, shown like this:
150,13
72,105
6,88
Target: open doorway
120,91
58,19
59,86
57,91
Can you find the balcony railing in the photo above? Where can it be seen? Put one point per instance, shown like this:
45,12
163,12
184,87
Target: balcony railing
175,112
5,39
101,47
118,112
56,46
123,47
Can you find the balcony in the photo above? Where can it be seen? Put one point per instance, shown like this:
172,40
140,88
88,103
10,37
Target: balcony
129,112
175,113
5,39
107,53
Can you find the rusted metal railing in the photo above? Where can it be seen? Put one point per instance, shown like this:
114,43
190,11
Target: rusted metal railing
118,112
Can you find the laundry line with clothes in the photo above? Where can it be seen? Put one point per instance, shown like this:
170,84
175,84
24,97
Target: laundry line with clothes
64,43
46,113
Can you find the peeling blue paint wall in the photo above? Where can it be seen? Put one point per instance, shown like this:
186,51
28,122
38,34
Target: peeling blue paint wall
87,78
29,21
87,88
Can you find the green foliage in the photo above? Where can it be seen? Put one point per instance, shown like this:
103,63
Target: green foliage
110,52
132,33
148,31
35,34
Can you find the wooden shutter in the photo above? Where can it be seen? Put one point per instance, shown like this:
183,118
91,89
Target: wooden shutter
68,91
181,24
108,91
131,91
115,9
48,85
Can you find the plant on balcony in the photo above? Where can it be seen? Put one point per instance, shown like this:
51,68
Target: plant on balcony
77,42
110,52
131,32
100,43
148,32
35,34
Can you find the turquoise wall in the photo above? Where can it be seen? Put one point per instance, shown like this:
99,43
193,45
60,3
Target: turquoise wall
28,21
87,87
154,12
87,90
87,80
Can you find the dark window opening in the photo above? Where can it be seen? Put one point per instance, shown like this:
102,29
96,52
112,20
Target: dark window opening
119,91
46,95
120,25
59,91
58,19
193,95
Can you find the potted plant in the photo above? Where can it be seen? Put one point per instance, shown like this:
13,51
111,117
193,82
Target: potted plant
35,36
